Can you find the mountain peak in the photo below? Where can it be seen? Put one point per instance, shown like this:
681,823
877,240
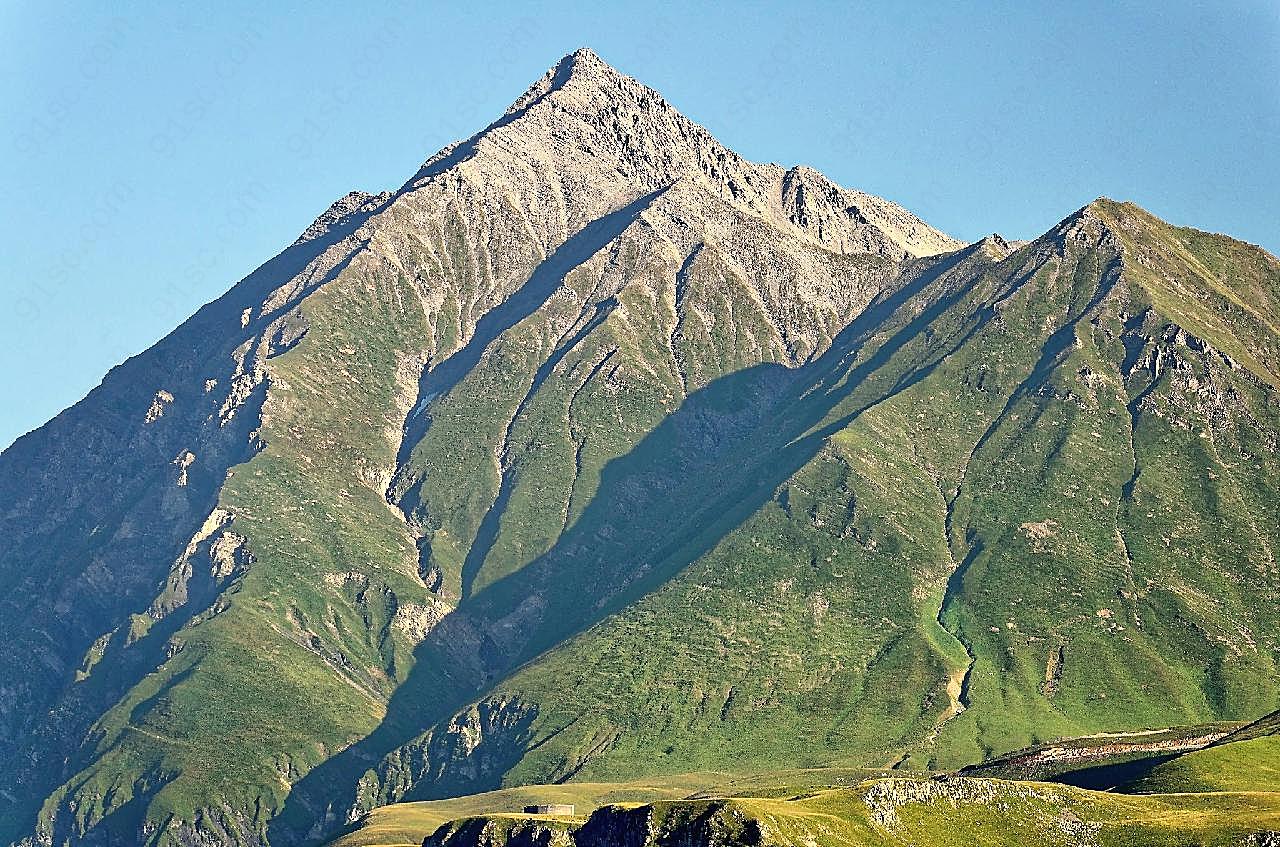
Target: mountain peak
586,60
604,139
582,67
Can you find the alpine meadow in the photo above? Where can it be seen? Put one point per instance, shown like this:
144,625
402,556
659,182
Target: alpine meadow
598,465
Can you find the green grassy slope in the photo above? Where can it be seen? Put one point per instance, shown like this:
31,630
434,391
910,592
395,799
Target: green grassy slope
1238,766
252,678
410,823
539,530
880,813
1101,760
299,654
1246,760
111,547
997,461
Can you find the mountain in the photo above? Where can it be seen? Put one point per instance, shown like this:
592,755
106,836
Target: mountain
597,452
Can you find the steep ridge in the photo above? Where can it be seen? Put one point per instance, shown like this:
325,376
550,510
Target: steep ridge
598,451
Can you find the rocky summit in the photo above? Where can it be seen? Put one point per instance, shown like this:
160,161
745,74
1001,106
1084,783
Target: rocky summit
598,455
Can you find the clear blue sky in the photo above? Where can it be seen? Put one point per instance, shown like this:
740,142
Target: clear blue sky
153,154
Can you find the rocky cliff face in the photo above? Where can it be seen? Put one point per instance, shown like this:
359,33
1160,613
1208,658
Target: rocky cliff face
596,449
705,823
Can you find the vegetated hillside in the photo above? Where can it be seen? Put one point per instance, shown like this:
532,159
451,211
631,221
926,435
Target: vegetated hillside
1101,761
889,813
878,813
1246,760
595,452
410,823
1019,460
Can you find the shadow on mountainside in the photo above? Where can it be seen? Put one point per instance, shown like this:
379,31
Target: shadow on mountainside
534,293
97,468
487,533
687,484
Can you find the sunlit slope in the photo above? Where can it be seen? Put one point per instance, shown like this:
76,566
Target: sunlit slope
883,813
1245,760
1021,489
